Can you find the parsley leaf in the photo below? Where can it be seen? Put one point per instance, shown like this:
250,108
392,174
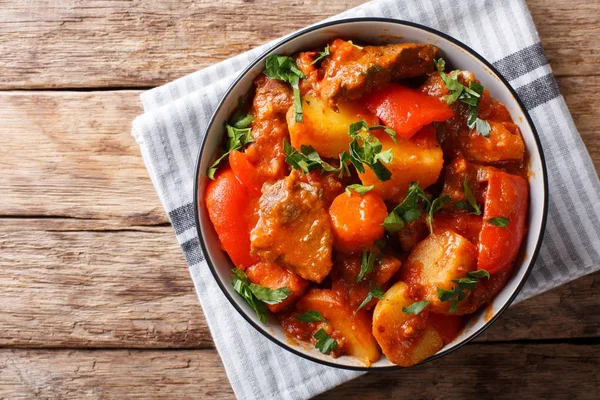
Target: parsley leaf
502,222
312,316
366,265
355,128
415,308
255,295
374,292
436,205
284,68
471,198
369,152
308,160
360,189
325,343
238,139
322,55
457,293
469,95
408,210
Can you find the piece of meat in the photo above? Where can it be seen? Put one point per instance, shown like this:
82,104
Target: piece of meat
271,101
349,72
293,228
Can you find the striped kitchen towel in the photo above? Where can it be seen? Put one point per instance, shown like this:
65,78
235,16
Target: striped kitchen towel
176,115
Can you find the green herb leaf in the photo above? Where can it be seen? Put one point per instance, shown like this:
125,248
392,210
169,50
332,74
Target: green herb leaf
462,205
241,284
440,64
375,68
436,205
322,55
238,138
374,292
325,343
482,127
367,264
243,122
312,316
502,222
408,210
268,295
360,189
415,308
284,68
471,198
458,293
308,160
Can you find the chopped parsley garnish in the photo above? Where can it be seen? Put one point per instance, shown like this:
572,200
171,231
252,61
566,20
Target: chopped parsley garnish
325,343
408,210
374,292
470,198
457,293
366,265
469,95
257,296
415,308
284,68
373,69
366,150
322,55
312,316
502,222
436,205
358,188
239,136
307,159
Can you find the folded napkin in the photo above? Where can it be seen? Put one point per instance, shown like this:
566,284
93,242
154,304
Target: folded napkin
177,114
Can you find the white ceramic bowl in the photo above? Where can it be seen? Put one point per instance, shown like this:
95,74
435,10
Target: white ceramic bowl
377,31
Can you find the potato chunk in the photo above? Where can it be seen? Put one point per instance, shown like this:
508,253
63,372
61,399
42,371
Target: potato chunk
435,262
325,129
405,339
353,331
418,159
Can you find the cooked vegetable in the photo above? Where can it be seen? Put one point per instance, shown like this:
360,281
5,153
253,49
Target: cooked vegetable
507,196
405,339
274,276
435,264
418,159
238,138
258,296
406,110
356,220
227,202
353,328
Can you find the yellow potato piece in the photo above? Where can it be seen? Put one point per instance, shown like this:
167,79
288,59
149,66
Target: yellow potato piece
419,159
355,328
435,262
325,129
405,339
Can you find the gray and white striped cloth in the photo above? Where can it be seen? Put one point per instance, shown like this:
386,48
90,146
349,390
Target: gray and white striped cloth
176,115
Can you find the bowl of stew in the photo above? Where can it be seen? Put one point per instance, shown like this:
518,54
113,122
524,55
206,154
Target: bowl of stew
370,194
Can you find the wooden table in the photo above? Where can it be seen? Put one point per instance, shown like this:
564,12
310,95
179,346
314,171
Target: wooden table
96,298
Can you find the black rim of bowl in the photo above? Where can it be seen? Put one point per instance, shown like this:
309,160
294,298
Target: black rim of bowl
484,62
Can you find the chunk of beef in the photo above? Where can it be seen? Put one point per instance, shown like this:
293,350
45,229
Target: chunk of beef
293,229
350,72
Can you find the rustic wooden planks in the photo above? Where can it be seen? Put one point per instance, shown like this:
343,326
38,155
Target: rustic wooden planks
500,371
47,45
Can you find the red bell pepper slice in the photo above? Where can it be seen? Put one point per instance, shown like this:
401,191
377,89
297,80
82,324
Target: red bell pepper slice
406,110
229,209
507,196
245,172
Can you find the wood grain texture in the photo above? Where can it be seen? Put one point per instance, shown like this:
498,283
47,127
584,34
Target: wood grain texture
73,283
475,371
48,45
77,283
71,161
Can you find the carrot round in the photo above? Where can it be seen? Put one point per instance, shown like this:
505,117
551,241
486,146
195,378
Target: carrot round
356,220
227,202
